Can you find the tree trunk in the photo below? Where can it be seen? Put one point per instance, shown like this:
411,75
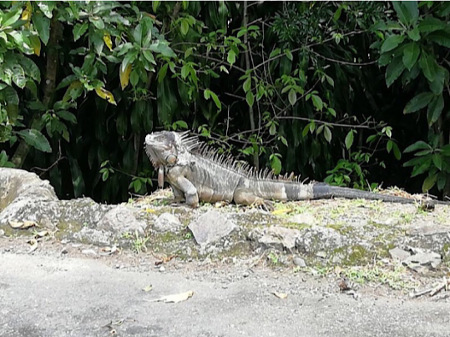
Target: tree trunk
49,85
248,67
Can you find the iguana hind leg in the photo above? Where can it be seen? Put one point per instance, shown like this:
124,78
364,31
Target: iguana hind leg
244,196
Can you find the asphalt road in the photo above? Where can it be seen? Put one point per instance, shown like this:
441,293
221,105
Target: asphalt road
52,296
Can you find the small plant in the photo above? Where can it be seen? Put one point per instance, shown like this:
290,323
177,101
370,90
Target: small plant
139,243
273,258
392,278
432,160
127,235
350,172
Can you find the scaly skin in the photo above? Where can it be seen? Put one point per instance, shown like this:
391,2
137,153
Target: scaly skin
196,173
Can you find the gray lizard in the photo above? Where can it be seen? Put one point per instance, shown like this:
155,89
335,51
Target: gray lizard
198,173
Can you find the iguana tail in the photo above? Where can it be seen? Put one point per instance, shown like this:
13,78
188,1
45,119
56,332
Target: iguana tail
324,191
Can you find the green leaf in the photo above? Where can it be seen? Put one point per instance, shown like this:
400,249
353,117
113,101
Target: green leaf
419,145
283,140
407,11
68,116
275,52
46,7
35,139
317,102
163,48
428,65
292,96
391,42
289,54
418,102
305,130
184,26
149,56
431,24
414,34
9,95
440,37
327,134
437,161
349,139
79,29
428,183
10,17
155,5
185,71
410,55
181,124
389,146
272,129
275,164
437,86
441,181
394,70
4,160
435,109
414,162
242,32
162,72
250,98
97,22
134,78
31,68
397,153
444,9
127,60
231,58
18,76
423,167
216,100
42,25
247,84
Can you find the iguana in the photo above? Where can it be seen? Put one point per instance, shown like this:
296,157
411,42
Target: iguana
197,172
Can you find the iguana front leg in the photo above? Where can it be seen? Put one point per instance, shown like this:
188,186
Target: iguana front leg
189,190
178,195
182,186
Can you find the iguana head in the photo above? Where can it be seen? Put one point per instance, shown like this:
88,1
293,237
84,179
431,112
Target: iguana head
161,148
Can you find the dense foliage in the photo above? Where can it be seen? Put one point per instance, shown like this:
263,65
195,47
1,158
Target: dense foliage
332,91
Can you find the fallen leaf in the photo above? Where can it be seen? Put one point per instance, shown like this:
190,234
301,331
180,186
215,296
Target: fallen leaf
33,245
280,295
175,298
149,210
108,250
163,259
41,234
282,211
22,225
148,288
168,258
